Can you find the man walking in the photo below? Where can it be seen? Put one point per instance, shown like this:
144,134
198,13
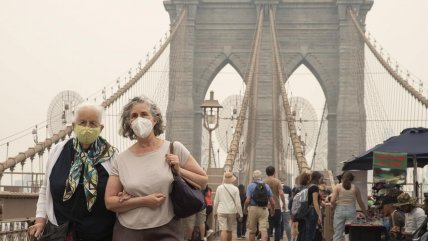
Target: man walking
259,195
276,187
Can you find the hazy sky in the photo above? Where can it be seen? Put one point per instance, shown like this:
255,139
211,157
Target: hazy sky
48,46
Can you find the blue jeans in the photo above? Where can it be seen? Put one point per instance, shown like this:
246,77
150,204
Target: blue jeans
307,226
286,224
275,223
342,214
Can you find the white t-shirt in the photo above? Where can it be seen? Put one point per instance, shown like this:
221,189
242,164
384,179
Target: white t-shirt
414,219
145,174
226,203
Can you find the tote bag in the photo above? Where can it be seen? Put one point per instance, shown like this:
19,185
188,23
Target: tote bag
187,199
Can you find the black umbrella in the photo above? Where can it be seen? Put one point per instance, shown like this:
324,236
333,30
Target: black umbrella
413,141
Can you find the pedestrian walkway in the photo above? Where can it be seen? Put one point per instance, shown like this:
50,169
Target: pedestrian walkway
217,237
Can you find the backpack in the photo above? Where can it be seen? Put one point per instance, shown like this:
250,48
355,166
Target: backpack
260,194
300,206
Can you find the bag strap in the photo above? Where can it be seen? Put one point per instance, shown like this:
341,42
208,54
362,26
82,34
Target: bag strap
171,151
174,172
231,197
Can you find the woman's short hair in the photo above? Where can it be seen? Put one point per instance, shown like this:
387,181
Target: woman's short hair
89,105
125,125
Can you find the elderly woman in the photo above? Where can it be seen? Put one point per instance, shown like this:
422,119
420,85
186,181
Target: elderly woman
76,177
144,172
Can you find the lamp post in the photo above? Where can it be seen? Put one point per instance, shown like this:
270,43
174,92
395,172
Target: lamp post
211,119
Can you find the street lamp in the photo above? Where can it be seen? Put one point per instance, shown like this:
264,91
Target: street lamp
211,111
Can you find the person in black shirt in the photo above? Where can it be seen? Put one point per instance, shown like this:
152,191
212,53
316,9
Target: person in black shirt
307,226
241,224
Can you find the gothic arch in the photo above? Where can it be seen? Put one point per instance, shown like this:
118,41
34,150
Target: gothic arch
316,68
215,66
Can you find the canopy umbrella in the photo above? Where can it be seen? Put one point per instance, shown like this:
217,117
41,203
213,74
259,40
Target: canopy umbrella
413,141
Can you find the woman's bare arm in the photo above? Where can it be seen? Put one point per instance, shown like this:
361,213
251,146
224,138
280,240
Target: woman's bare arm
114,202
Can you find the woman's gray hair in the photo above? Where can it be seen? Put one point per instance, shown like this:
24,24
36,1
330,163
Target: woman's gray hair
125,125
90,105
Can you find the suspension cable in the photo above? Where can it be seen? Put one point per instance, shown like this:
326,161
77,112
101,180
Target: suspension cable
297,145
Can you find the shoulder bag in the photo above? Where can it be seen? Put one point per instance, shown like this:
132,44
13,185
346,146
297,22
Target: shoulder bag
187,199
236,208
63,232
55,233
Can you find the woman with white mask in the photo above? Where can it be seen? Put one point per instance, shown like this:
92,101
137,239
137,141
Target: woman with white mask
140,182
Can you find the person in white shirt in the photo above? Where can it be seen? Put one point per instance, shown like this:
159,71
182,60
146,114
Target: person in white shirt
227,206
414,216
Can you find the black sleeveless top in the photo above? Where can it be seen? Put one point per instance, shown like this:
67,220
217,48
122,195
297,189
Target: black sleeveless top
94,225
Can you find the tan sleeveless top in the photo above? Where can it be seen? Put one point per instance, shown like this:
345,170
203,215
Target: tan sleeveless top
346,197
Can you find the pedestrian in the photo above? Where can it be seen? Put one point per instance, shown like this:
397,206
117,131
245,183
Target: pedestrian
258,195
308,224
209,203
76,175
278,195
343,201
241,226
227,206
301,182
194,226
143,172
285,220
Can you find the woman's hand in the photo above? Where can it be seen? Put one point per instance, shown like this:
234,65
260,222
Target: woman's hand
173,161
154,200
124,196
36,230
319,221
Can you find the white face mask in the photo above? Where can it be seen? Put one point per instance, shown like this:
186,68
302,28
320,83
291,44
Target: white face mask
142,127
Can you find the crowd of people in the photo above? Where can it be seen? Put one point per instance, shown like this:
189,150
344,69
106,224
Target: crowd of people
99,194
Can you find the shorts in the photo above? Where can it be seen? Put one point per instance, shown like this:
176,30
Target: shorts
257,215
226,221
196,219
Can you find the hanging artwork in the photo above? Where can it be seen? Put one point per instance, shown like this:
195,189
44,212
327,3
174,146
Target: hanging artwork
389,167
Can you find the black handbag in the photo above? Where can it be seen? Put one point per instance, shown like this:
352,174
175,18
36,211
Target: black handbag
186,198
55,233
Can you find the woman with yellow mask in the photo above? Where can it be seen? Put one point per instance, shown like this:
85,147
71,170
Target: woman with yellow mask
73,189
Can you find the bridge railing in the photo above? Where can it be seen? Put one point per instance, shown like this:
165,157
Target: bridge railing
15,229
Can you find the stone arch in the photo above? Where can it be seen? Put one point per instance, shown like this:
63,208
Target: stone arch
215,66
319,35
318,70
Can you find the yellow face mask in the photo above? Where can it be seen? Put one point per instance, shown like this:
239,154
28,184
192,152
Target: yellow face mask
86,135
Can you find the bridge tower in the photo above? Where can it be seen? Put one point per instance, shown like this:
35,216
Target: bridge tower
316,33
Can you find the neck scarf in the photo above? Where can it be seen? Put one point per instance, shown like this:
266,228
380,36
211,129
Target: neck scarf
99,152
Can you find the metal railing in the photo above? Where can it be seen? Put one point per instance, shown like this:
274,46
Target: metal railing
15,229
